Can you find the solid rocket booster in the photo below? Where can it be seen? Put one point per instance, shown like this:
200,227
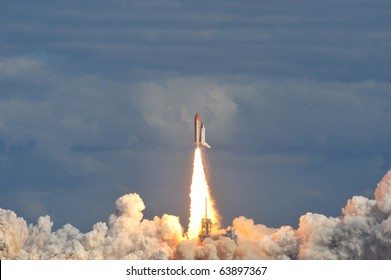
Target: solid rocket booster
199,132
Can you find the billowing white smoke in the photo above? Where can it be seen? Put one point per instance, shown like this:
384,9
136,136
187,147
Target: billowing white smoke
362,232
13,234
126,236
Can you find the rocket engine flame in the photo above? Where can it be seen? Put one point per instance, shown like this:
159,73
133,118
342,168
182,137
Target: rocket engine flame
199,192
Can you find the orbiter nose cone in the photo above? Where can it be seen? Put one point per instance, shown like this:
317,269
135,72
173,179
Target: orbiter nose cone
197,117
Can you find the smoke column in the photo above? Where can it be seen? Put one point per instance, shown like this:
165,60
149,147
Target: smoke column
199,195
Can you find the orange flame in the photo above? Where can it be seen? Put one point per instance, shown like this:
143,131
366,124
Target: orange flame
199,192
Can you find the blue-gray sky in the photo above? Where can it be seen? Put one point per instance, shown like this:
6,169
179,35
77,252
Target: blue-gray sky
97,99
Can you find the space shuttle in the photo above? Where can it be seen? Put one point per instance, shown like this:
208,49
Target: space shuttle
199,132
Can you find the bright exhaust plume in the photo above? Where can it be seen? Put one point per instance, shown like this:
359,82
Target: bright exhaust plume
199,196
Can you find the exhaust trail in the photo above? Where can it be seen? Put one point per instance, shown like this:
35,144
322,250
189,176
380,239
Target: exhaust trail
199,192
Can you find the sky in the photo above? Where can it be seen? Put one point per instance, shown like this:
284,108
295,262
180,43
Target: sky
97,100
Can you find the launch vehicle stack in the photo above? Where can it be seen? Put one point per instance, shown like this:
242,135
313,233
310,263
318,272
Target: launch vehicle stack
206,222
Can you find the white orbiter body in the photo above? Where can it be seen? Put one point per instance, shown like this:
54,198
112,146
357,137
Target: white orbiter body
199,132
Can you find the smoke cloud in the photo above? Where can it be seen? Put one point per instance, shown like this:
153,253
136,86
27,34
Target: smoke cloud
363,231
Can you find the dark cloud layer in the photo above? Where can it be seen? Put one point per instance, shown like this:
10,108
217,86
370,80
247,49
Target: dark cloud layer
127,38
97,100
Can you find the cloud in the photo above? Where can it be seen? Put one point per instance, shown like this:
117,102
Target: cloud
13,234
12,67
126,236
361,232
170,107
119,38
383,194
